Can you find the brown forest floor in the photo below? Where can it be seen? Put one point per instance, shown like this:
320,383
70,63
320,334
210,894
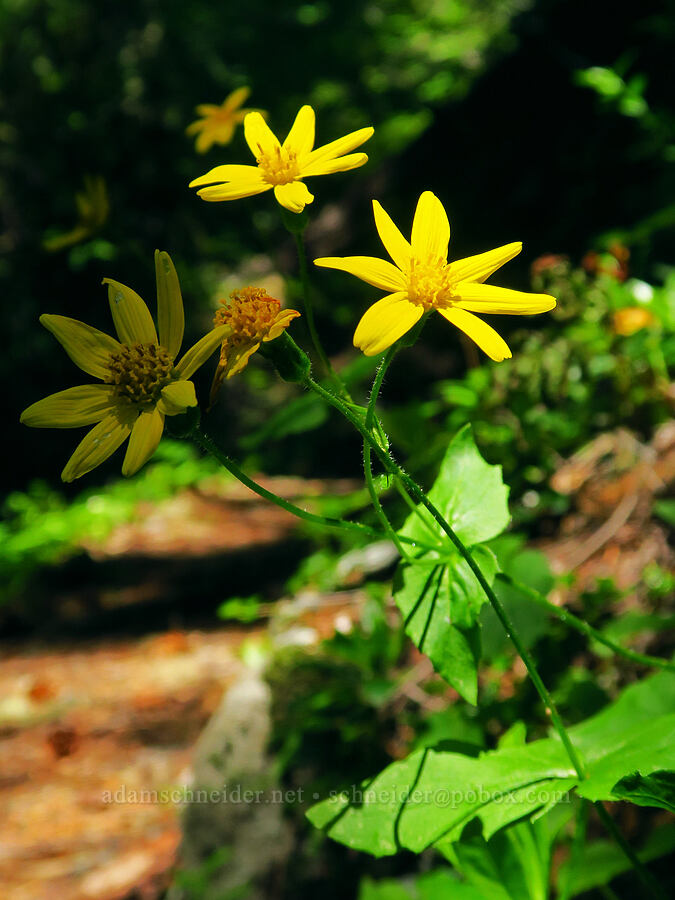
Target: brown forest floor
84,724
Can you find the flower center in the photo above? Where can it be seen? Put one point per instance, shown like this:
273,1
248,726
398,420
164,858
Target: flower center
250,313
140,371
280,167
429,283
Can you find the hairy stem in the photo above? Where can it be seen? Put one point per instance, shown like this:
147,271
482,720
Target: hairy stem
367,462
575,622
207,444
309,315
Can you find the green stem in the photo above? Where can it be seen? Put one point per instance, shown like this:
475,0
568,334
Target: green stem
207,444
309,315
640,869
367,463
417,493
575,622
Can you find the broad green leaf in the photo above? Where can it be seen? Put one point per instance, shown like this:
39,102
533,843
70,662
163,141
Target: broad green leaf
443,885
468,492
515,863
657,789
440,601
431,796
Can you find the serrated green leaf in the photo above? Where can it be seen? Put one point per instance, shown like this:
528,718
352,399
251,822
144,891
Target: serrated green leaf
431,796
440,602
468,492
657,789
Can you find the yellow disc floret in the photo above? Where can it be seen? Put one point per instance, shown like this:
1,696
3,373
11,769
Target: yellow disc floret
429,284
140,371
250,313
279,167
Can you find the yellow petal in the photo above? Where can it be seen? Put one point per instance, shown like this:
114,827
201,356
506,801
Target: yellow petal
131,316
341,146
488,298
205,141
72,408
88,347
378,272
238,357
483,334
100,443
207,110
294,196
394,243
430,230
145,436
236,98
385,322
170,314
176,397
300,138
260,138
200,352
281,323
482,265
228,173
234,191
223,133
331,166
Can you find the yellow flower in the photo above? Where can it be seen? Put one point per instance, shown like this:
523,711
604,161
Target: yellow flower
218,123
253,317
141,383
423,279
630,319
283,166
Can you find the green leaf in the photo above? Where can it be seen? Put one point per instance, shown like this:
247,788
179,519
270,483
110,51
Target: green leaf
243,609
469,493
431,796
665,509
657,789
383,890
438,595
440,601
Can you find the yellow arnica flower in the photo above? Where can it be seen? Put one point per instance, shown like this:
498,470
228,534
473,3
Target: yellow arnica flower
422,279
217,124
253,317
282,167
630,319
141,382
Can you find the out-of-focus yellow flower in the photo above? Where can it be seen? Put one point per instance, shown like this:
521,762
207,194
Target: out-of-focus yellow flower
141,382
423,279
282,167
630,319
253,317
92,208
217,124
